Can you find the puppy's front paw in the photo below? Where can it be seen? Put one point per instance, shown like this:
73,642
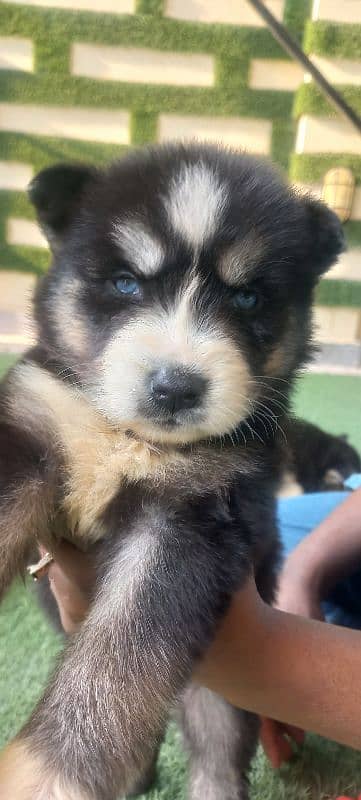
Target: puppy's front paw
23,776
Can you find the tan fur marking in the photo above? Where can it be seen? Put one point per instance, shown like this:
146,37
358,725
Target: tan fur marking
276,362
289,486
98,457
24,777
19,773
240,262
282,358
140,245
71,326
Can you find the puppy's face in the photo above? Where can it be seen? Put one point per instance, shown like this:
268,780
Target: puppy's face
180,289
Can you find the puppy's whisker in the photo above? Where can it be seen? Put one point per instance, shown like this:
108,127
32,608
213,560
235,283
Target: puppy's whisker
274,419
254,433
270,388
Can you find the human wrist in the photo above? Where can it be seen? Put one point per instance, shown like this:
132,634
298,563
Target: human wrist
236,654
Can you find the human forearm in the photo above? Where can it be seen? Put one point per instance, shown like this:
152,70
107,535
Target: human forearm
291,669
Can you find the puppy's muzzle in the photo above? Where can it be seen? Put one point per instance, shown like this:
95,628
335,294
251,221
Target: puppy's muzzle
175,389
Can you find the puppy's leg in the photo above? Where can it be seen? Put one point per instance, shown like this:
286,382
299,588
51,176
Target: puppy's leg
221,741
26,498
155,612
147,777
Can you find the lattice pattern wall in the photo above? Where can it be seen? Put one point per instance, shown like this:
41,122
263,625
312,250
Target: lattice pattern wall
333,40
87,78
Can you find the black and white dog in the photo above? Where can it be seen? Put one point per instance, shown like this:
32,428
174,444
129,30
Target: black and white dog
145,422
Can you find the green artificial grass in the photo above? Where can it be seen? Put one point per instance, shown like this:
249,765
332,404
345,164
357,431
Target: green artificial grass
321,771
312,168
310,100
339,293
331,401
334,40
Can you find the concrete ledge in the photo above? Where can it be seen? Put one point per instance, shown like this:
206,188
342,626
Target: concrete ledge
337,10
16,54
231,12
24,232
16,289
337,325
269,73
15,175
141,65
348,267
323,135
15,343
338,356
73,123
253,135
338,70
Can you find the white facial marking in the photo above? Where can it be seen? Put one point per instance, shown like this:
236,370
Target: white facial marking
195,203
140,247
173,336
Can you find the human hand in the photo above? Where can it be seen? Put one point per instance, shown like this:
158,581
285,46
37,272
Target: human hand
278,740
298,590
71,577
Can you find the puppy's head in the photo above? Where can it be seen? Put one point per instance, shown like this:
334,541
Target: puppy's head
180,288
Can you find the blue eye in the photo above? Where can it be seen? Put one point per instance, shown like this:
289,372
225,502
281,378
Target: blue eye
127,285
246,299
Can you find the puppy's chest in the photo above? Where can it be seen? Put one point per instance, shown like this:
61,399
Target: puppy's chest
101,466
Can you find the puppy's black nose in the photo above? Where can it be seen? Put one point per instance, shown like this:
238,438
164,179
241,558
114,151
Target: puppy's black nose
175,389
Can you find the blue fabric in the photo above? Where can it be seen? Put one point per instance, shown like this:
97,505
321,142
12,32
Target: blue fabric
354,481
297,517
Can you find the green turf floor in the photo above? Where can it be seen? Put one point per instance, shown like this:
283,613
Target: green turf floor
333,402
28,648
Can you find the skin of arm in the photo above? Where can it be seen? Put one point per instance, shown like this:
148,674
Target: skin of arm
287,668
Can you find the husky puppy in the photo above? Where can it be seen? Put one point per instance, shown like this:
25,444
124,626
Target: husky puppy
145,422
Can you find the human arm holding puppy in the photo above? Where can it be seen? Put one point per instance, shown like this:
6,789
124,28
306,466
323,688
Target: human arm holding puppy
281,666
274,663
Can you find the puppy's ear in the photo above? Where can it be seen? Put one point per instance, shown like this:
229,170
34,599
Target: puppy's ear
327,239
55,192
